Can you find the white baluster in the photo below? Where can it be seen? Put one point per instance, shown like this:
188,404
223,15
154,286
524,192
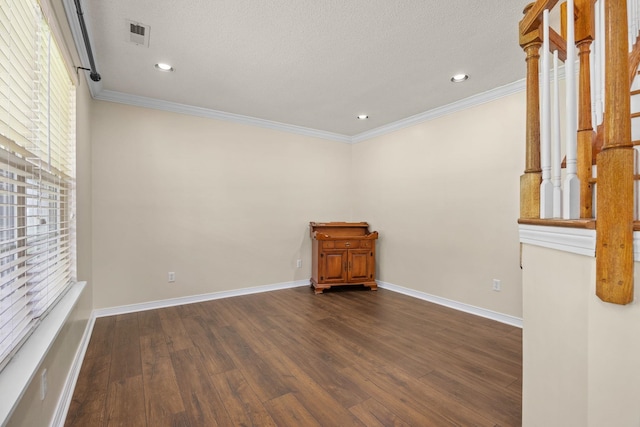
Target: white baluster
598,63
637,16
571,183
594,198
631,18
630,24
556,159
602,57
634,18
636,186
546,188
593,85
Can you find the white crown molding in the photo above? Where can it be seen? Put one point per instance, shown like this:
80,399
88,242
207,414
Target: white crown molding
454,107
574,240
152,305
471,309
157,104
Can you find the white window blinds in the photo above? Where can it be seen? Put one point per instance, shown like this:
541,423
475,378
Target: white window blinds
37,170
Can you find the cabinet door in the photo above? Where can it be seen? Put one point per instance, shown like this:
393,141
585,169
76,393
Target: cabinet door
333,266
360,265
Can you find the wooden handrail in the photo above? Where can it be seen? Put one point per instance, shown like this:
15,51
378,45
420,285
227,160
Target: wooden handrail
533,15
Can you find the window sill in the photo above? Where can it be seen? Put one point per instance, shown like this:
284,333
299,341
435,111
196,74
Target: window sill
19,372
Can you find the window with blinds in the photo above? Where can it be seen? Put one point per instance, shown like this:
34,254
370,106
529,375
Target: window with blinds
37,172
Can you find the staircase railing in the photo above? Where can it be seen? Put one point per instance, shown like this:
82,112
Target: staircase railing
601,37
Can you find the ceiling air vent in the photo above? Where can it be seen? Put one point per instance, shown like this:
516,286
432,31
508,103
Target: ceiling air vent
138,33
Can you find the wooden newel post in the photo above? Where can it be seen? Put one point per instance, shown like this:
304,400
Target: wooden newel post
614,225
532,177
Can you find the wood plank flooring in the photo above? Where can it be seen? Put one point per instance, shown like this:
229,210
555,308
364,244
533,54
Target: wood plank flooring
348,357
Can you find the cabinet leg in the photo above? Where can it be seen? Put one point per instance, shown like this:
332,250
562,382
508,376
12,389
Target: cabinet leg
318,289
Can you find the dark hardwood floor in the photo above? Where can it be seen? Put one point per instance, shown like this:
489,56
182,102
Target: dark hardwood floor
292,358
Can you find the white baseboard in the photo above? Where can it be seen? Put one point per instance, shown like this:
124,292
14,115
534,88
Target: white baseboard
152,305
64,402
482,312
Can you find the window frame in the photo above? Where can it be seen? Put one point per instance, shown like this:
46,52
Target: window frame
37,171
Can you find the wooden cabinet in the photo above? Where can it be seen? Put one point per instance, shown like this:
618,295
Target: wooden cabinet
343,253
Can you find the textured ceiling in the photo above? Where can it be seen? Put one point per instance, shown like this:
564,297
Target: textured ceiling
310,63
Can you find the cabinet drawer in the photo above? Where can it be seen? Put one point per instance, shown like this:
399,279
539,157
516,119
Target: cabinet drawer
344,244
365,244
347,244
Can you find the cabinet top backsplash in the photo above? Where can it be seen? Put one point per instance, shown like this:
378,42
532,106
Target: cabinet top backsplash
340,229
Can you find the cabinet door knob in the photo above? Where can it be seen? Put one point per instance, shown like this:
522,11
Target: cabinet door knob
347,244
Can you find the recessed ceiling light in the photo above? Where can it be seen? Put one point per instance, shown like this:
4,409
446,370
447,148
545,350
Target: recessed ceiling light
163,67
363,117
458,78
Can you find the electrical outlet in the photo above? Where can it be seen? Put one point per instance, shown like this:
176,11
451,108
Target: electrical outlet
43,384
496,285
299,263
172,277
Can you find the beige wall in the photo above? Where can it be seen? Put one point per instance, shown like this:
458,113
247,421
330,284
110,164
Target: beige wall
580,355
556,291
444,196
225,206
